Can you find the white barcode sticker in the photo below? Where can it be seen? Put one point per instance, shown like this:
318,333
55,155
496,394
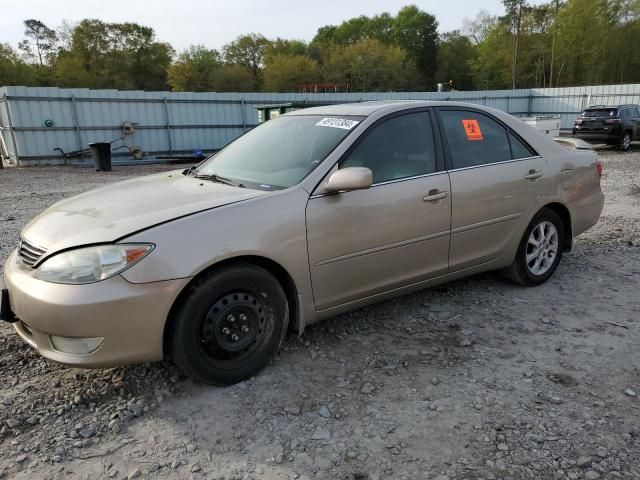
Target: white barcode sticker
337,123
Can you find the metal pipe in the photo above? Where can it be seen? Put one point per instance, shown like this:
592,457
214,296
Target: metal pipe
76,123
167,121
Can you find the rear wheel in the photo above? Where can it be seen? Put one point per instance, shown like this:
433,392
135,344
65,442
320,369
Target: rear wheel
625,141
540,250
229,326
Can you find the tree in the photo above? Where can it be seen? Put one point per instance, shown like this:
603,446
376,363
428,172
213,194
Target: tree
284,73
417,33
40,41
13,70
235,78
455,55
114,55
248,51
368,65
478,29
195,70
514,18
353,30
281,46
491,68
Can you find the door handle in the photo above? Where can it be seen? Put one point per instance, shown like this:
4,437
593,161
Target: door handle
533,175
435,195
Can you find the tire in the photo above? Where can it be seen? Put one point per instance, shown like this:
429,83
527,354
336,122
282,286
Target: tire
625,141
242,300
526,273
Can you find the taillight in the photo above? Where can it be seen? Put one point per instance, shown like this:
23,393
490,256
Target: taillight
613,121
599,167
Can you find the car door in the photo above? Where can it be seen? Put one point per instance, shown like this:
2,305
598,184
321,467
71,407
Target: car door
495,183
393,234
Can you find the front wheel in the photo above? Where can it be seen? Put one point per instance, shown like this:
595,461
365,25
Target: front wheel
540,250
229,325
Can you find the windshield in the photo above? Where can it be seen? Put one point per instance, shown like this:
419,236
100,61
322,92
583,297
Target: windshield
280,152
600,112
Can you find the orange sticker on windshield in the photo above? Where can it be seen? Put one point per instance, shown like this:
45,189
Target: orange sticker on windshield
472,129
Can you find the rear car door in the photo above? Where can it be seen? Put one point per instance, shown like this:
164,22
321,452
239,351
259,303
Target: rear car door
365,242
495,183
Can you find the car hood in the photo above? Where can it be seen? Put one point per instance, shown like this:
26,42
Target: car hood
115,211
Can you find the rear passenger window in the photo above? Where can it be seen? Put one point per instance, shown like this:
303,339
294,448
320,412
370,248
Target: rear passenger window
400,147
518,149
474,139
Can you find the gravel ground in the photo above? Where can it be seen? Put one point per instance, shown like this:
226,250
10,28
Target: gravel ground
474,379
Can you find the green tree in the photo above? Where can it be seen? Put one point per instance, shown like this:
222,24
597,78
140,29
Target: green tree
281,46
195,70
284,73
248,51
13,70
368,65
235,78
353,30
492,67
455,56
114,55
417,33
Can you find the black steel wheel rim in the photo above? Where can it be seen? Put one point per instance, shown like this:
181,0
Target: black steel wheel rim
234,326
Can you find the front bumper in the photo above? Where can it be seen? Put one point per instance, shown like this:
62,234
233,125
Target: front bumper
130,317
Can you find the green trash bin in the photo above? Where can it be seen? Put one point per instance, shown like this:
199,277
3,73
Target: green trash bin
101,152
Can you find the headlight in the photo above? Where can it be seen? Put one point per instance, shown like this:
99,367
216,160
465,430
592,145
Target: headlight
90,264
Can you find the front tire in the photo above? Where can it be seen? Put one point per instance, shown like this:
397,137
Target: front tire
540,250
229,325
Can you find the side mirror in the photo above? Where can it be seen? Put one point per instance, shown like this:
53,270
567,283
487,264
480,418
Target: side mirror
350,178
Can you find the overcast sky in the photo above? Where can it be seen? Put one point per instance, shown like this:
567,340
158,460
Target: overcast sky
216,22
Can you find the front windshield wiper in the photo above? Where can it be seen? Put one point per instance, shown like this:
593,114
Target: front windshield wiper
217,178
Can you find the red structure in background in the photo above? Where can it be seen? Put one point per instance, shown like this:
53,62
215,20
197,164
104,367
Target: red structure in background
323,87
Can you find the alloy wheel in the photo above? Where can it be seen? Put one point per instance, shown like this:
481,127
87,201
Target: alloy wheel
542,248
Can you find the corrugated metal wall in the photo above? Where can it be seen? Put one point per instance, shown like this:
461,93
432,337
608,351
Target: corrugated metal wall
174,123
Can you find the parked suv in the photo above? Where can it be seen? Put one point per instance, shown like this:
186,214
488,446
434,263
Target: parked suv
611,125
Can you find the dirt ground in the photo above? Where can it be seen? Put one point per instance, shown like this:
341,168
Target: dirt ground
476,379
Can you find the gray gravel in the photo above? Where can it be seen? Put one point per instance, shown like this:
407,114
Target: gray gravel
469,380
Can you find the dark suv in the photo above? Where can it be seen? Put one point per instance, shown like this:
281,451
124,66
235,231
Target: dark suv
611,125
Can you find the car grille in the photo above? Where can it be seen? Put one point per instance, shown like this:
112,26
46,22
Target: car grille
30,254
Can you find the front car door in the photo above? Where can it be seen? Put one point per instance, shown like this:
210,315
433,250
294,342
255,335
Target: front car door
495,184
393,234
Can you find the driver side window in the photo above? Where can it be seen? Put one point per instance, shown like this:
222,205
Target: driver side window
400,147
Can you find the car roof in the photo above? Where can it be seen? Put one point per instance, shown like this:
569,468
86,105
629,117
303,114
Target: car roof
611,107
369,108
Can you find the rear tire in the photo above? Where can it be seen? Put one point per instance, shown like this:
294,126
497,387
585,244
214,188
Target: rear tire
229,325
625,141
540,250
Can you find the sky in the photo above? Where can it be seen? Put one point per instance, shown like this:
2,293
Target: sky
216,22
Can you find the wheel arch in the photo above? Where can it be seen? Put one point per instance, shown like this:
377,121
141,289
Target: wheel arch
563,212
273,267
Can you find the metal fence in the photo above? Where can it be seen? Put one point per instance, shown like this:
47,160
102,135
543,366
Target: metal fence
35,121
